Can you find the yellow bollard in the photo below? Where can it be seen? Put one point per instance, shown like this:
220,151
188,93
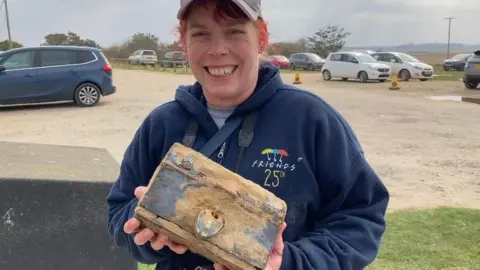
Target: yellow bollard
297,78
394,85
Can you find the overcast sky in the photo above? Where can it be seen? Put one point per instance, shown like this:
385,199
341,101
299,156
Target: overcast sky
371,22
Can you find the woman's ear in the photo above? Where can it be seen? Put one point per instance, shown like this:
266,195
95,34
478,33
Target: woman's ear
261,47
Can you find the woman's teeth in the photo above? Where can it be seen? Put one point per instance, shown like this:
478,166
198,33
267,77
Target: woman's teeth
221,72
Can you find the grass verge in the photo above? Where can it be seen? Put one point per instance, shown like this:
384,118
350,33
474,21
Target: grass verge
441,238
442,75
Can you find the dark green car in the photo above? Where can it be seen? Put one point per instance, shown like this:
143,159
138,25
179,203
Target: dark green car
471,75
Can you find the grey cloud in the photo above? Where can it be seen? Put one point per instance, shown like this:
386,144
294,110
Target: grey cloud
381,22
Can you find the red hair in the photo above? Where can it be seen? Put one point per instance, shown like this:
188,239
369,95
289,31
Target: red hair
224,10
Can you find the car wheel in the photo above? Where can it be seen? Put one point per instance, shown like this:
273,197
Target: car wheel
404,75
470,84
292,66
326,75
310,67
87,95
363,76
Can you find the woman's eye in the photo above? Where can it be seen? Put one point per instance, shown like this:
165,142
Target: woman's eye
235,32
198,34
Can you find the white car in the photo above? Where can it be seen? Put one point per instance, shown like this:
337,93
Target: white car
143,57
405,66
354,65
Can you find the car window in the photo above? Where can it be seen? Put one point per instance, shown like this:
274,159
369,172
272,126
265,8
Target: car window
407,58
19,60
148,53
178,55
336,57
366,58
380,57
57,58
462,56
84,57
315,57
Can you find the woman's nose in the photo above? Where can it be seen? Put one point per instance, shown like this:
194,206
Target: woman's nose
218,47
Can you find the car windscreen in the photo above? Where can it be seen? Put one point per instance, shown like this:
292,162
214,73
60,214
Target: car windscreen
408,58
460,56
365,58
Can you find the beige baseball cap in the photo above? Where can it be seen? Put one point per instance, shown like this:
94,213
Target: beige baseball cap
252,8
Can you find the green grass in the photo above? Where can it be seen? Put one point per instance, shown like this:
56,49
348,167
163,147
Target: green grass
442,75
442,238
146,267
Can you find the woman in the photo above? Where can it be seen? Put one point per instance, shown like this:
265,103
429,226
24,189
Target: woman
302,150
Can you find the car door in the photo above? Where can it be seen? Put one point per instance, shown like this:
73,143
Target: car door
391,60
57,75
18,82
303,61
349,66
335,65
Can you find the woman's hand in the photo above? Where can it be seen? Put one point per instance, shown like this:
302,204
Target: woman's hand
142,236
275,259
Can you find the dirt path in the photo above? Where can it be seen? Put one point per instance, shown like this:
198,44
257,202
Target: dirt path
427,152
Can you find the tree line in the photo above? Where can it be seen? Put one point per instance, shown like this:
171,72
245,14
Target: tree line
329,39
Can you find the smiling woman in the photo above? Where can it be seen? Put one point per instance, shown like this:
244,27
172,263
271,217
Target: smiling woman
223,47
241,114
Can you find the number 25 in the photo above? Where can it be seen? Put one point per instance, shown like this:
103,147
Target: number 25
272,182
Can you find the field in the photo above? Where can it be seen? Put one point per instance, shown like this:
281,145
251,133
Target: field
425,150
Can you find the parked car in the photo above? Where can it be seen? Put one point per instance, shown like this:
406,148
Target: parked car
308,61
143,57
279,61
405,66
354,65
457,62
54,74
471,75
174,58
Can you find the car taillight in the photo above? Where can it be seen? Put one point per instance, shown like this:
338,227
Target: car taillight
107,68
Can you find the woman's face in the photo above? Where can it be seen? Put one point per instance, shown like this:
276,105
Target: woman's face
223,56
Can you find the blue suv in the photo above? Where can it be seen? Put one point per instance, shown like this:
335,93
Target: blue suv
54,74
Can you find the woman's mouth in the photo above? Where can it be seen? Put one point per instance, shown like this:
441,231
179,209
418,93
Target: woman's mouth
221,71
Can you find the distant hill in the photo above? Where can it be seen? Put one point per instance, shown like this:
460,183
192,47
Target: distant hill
422,47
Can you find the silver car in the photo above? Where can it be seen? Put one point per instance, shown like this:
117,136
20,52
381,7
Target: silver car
471,75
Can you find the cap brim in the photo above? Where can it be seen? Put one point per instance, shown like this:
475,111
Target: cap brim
251,14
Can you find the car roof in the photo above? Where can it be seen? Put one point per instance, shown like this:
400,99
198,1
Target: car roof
351,52
54,47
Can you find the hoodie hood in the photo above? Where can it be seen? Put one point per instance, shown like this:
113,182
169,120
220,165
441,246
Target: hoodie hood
192,99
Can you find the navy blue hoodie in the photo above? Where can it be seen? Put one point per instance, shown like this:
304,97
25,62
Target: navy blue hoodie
302,150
